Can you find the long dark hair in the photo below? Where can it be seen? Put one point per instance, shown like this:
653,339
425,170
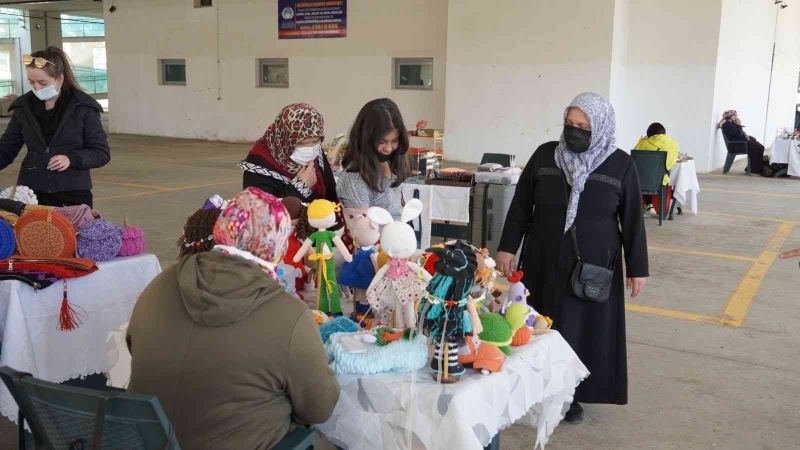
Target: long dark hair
375,120
60,66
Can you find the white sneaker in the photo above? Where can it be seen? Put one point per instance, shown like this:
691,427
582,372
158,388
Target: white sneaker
652,212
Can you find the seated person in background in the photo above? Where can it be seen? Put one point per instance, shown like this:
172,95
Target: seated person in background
657,139
234,359
733,130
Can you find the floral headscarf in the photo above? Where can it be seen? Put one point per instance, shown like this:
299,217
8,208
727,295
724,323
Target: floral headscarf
727,116
255,222
293,124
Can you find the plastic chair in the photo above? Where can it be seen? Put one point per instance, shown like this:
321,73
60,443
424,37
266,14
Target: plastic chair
652,166
504,159
299,439
66,417
734,148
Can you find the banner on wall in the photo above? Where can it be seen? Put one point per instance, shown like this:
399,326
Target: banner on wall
312,19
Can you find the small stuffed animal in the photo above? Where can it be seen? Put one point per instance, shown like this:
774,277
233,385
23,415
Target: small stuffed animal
518,293
359,273
322,215
398,285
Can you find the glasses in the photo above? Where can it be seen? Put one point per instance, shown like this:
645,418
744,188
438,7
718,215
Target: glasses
36,61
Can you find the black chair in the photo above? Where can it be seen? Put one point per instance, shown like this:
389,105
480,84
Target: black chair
504,159
652,166
734,148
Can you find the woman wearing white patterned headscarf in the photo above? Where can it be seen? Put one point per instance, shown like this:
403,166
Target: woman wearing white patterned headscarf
581,182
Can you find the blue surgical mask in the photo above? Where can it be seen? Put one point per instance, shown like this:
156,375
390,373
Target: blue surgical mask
46,93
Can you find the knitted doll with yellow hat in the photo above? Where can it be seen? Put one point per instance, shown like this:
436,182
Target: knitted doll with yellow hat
322,215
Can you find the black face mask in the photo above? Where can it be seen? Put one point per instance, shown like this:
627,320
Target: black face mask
384,158
578,141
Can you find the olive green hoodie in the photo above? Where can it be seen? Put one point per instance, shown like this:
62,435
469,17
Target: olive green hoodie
233,359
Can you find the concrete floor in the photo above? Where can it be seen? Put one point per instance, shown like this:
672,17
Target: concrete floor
694,382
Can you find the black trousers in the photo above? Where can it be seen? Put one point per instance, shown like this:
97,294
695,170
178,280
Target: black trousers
65,198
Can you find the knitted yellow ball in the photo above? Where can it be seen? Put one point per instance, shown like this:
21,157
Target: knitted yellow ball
321,208
516,315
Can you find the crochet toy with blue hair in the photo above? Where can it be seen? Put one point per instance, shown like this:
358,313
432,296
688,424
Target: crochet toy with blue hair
447,306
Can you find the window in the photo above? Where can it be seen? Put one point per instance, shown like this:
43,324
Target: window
412,73
10,20
172,72
202,3
272,72
82,26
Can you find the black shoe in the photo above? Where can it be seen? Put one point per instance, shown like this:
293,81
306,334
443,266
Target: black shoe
456,370
574,414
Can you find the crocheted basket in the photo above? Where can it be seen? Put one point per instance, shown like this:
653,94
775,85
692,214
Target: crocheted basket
99,240
22,194
133,242
44,233
8,243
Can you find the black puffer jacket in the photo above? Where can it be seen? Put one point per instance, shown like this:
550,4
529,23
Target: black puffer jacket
79,136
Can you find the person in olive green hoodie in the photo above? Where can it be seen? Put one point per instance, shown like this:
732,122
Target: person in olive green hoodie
658,139
236,362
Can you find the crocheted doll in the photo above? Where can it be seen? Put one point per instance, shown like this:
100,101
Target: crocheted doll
397,286
444,309
518,293
359,273
296,209
322,215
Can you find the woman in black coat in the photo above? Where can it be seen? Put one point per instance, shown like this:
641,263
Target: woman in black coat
582,181
60,126
733,130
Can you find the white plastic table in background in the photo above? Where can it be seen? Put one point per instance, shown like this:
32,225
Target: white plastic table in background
683,179
786,151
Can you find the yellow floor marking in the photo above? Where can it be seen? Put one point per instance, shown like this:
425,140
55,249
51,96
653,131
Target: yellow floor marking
757,194
741,216
736,309
165,190
698,253
671,313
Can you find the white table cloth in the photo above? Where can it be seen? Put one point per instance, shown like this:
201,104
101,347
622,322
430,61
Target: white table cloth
440,203
384,411
785,151
683,179
29,321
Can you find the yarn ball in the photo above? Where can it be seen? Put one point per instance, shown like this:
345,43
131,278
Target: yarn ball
516,315
12,206
22,194
521,337
8,242
100,240
43,233
133,242
340,324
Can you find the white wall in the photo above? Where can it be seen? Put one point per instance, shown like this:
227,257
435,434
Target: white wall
743,64
336,75
663,70
513,67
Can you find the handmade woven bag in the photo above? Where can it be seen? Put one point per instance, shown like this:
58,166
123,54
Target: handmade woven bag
79,215
8,242
99,240
133,242
43,233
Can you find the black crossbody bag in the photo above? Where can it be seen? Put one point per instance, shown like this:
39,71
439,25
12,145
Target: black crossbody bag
588,281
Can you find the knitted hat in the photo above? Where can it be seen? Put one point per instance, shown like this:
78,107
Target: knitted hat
79,215
321,208
44,233
133,242
255,222
100,240
12,206
8,243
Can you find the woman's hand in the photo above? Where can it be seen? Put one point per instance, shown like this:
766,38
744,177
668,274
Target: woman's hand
58,163
636,285
505,262
308,174
791,254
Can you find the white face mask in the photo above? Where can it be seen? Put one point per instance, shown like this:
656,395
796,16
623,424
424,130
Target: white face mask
46,93
304,155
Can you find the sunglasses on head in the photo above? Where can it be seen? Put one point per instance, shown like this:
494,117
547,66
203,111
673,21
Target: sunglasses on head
35,61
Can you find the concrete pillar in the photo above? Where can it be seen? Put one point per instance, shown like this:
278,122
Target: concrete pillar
54,29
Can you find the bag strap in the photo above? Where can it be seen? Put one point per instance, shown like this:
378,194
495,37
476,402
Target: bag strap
99,422
572,235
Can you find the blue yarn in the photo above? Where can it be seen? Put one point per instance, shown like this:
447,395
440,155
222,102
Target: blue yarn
8,243
467,323
337,325
401,356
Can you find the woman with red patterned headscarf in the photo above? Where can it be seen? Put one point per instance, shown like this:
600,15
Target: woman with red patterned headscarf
287,161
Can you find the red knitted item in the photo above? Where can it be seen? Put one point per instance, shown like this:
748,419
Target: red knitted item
515,277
